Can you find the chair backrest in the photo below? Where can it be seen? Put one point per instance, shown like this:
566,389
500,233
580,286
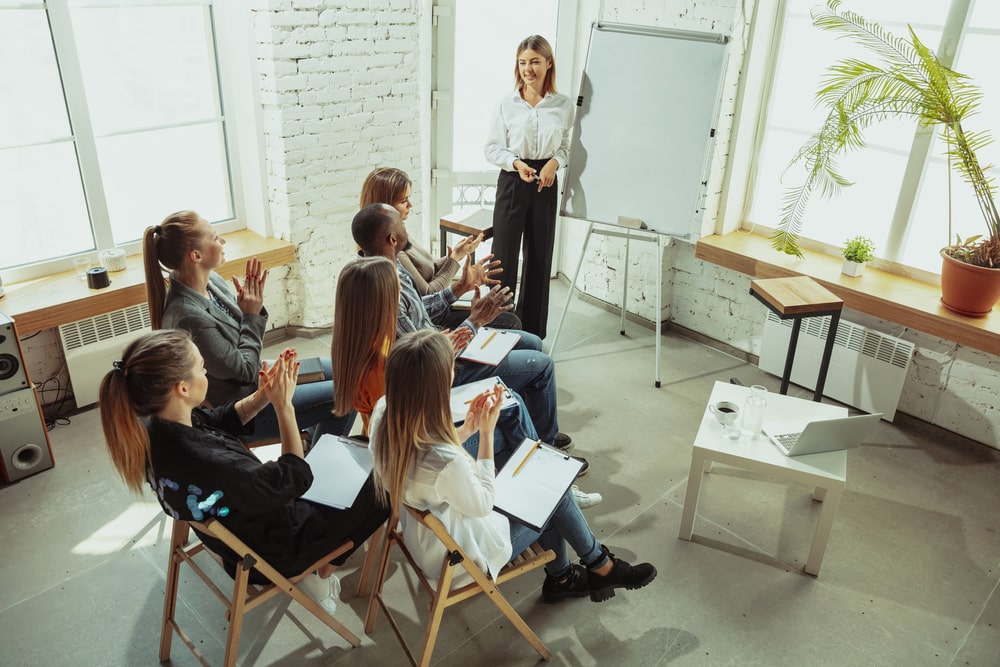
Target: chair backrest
443,596
244,597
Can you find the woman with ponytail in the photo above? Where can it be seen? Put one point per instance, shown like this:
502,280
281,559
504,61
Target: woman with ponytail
191,457
228,330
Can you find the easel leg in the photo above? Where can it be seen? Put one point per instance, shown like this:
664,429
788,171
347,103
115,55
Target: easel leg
659,304
628,243
572,286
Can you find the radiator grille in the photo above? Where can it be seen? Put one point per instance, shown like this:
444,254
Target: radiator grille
104,327
867,368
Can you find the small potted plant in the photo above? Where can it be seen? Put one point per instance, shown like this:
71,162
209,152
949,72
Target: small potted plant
857,252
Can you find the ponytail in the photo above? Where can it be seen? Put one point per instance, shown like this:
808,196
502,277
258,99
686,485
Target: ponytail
163,249
139,386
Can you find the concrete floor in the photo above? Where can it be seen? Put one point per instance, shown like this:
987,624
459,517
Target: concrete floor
910,575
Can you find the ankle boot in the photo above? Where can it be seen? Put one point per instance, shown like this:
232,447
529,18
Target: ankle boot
622,575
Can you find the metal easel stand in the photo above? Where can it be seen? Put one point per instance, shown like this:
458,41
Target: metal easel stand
628,235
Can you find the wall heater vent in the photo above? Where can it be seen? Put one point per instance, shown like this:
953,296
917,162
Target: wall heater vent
867,368
93,343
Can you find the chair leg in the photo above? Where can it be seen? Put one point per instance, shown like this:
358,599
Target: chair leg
236,613
371,556
178,538
380,572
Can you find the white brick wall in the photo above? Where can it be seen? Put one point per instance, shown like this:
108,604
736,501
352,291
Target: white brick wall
340,89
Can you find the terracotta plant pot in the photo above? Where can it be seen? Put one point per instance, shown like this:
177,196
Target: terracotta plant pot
968,289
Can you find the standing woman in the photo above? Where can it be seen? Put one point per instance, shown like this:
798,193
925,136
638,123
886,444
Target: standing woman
529,140
228,331
156,433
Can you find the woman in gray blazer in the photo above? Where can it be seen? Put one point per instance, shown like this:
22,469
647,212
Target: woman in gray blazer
228,329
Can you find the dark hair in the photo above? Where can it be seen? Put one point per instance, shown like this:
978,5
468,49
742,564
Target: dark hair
164,248
139,386
370,227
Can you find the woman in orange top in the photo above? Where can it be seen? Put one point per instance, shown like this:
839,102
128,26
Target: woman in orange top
364,328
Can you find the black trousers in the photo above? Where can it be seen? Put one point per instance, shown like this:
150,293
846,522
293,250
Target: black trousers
524,219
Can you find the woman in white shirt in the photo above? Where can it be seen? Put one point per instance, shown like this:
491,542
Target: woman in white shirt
419,461
529,140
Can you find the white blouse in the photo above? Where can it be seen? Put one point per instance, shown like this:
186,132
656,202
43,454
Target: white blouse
521,131
459,491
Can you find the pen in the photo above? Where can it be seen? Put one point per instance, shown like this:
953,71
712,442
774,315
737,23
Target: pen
483,346
530,452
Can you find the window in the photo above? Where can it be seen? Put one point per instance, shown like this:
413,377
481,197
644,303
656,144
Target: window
118,120
900,192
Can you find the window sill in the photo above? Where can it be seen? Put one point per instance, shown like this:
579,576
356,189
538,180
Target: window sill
886,295
60,298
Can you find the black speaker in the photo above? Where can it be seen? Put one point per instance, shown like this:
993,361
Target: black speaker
12,373
24,440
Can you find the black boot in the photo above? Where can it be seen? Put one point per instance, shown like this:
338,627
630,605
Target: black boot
573,585
622,575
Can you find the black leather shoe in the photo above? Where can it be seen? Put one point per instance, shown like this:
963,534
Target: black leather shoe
573,585
562,441
622,575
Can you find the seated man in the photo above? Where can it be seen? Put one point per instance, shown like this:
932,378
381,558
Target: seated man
379,230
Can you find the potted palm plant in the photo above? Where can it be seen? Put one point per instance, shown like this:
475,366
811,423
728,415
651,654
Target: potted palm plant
910,82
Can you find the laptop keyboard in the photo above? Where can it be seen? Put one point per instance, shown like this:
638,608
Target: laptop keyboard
786,440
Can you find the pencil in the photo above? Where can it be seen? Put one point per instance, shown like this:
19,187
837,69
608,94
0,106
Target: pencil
483,346
525,460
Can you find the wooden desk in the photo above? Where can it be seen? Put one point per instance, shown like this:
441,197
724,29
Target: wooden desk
464,223
826,471
60,298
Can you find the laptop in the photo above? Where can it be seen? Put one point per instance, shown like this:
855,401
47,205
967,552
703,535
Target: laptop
825,435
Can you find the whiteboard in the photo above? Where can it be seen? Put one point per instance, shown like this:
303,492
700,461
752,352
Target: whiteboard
644,124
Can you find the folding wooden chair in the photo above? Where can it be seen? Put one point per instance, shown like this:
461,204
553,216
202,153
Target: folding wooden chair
442,596
245,596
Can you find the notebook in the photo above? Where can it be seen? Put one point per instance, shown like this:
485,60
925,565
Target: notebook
490,346
340,466
825,435
463,394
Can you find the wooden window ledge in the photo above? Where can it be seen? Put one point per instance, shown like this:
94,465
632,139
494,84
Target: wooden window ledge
60,298
891,297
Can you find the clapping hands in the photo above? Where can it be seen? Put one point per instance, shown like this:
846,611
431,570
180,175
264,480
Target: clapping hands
250,293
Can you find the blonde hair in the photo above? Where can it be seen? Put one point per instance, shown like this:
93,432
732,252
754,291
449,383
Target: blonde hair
364,325
541,46
139,386
385,185
417,410
164,247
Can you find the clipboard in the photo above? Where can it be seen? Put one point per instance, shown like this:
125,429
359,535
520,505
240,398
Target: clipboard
340,466
533,482
464,393
490,346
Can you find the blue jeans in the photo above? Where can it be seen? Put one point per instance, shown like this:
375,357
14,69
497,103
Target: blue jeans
513,428
567,525
528,371
313,405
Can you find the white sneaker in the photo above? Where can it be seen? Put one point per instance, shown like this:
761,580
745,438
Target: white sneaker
586,500
324,591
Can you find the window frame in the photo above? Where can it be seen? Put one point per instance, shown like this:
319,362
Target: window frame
760,64
236,72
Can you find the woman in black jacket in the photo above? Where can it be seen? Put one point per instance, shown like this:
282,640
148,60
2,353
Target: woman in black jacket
191,457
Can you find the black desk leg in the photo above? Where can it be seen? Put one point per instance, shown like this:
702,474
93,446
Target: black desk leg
443,240
824,364
790,357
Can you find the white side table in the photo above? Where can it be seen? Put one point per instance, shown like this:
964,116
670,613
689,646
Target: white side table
827,471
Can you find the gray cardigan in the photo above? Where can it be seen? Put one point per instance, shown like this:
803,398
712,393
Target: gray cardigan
231,346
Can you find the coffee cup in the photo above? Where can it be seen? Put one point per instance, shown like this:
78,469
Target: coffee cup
728,414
